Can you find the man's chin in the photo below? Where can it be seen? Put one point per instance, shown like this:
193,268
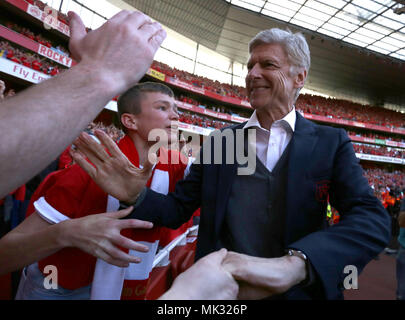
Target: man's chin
258,105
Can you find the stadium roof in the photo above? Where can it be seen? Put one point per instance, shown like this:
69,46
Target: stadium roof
357,46
370,24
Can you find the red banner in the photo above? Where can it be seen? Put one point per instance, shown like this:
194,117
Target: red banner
49,20
55,55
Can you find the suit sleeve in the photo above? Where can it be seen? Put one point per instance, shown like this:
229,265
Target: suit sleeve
361,234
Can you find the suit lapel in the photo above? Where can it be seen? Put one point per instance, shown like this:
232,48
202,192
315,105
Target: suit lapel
303,143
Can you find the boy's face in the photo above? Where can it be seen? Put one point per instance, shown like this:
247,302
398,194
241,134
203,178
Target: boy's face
158,111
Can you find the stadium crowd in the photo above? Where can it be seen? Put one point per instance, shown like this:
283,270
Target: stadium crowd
317,105
374,135
27,32
201,121
217,108
344,109
217,87
378,150
380,178
30,60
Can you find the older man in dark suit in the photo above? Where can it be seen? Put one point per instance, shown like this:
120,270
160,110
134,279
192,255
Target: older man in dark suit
274,219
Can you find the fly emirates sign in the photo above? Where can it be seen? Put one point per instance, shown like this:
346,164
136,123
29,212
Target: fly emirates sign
22,72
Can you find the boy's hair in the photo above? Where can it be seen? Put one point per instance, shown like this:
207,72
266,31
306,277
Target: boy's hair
130,100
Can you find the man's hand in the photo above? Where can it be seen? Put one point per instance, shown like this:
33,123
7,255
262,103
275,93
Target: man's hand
99,235
120,51
205,280
263,277
114,173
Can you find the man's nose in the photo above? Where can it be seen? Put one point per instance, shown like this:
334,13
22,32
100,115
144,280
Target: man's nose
255,72
174,116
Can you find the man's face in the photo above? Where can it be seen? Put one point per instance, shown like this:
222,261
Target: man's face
269,83
158,111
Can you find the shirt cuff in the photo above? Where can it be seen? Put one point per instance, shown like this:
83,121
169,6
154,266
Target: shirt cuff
311,274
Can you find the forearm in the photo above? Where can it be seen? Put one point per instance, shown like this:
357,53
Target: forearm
262,282
262,277
275,274
20,249
44,119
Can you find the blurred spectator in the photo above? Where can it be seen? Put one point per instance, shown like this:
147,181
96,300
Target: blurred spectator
3,94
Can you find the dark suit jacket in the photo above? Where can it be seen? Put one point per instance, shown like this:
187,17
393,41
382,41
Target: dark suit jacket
322,165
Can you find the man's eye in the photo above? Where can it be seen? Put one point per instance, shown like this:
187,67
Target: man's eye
269,64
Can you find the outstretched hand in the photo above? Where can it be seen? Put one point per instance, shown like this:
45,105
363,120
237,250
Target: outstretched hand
99,235
121,50
112,171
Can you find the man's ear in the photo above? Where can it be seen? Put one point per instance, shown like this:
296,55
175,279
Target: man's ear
129,121
300,78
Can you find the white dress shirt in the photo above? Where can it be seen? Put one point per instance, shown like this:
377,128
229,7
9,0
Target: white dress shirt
270,144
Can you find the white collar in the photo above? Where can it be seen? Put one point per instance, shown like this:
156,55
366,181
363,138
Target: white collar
288,119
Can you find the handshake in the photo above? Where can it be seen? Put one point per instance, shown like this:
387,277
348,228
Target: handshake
225,275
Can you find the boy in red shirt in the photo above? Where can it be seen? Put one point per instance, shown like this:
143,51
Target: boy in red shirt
71,193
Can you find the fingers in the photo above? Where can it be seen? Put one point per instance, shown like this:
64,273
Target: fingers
88,148
150,161
115,256
81,160
130,244
106,140
87,143
77,33
150,29
137,20
157,39
119,214
134,224
217,257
